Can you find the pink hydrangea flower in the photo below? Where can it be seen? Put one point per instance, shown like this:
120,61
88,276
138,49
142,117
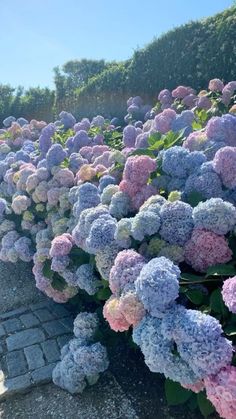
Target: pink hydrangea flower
229,293
195,141
61,245
221,391
224,164
196,388
181,91
131,307
163,120
216,85
64,177
112,313
205,249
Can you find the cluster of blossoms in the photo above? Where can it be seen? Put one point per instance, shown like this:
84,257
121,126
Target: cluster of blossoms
128,217
82,359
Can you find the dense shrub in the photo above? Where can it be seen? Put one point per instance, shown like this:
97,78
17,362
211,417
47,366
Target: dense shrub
138,226
191,55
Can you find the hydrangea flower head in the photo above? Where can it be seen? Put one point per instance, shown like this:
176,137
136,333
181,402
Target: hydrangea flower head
176,222
206,249
220,390
215,215
224,164
229,293
125,270
157,285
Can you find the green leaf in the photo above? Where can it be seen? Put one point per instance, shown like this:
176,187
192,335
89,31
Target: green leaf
143,152
58,283
194,198
175,394
47,272
195,296
191,277
196,125
156,136
221,270
230,330
204,404
217,304
103,294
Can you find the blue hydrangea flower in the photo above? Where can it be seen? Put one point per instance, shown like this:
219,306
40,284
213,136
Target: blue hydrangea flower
85,326
86,279
101,234
55,155
120,205
206,183
67,120
215,215
87,197
145,223
176,222
123,232
45,141
157,286
105,181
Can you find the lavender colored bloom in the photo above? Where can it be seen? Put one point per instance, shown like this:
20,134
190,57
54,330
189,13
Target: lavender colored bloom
98,121
67,120
24,249
55,155
125,270
45,141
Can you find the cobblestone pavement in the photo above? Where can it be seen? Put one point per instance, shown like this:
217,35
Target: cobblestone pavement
30,341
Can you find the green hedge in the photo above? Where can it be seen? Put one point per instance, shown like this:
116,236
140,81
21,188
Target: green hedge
191,54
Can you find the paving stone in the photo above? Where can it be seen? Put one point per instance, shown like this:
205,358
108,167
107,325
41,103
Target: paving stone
55,328
34,356
37,306
59,311
29,320
16,363
25,338
14,385
43,375
50,350
44,315
68,322
13,313
63,340
12,325
2,331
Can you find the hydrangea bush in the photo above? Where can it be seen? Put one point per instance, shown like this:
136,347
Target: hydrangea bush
138,222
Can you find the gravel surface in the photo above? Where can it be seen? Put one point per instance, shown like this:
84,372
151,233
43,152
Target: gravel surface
105,400
17,286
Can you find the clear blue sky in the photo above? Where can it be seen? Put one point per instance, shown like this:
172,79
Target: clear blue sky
37,35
